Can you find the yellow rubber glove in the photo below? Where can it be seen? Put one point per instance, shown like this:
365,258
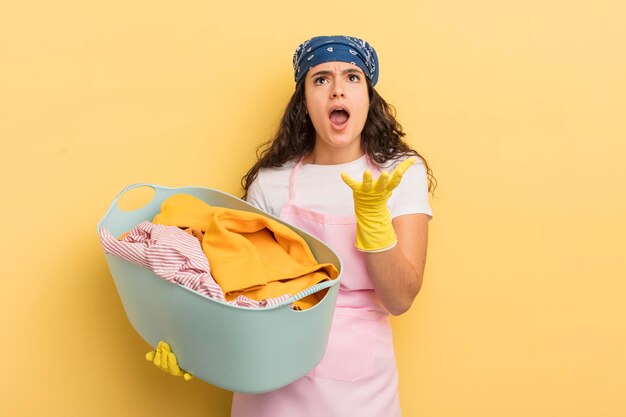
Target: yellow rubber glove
374,231
164,359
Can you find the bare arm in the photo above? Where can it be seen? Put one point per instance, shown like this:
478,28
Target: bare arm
397,273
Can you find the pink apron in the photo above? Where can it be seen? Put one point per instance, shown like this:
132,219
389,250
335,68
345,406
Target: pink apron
358,374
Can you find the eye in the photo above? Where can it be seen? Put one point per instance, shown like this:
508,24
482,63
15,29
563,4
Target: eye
354,78
320,80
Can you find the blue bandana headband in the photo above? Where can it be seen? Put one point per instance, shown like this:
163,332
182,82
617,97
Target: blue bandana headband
322,49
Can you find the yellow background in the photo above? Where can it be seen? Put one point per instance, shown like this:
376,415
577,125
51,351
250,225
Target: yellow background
519,106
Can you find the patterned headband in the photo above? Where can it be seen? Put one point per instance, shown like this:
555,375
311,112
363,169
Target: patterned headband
322,49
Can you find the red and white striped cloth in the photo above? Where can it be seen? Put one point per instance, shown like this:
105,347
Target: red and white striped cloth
175,256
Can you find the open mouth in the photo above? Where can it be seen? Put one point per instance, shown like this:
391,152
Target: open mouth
339,117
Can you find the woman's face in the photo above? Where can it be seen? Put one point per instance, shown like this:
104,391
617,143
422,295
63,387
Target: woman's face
337,101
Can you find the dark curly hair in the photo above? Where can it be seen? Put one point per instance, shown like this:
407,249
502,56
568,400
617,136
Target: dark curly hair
381,138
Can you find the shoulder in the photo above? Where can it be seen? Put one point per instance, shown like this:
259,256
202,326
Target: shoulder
272,175
270,189
415,175
393,163
411,195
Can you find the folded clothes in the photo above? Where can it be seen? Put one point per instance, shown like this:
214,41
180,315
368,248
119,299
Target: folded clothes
250,254
176,256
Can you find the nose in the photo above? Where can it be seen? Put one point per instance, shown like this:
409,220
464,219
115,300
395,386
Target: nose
338,90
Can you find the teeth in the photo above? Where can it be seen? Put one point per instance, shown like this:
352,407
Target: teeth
339,109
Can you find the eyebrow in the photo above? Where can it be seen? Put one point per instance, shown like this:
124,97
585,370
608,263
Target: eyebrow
344,72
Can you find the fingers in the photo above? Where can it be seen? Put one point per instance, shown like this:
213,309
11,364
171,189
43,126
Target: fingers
385,182
172,364
160,357
351,182
381,183
404,166
364,186
157,357
367,181
396,175
166,360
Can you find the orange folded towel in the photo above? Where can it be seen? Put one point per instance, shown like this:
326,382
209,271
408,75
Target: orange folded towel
249,253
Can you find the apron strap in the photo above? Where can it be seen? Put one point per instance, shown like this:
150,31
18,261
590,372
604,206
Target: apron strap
292,180
373,167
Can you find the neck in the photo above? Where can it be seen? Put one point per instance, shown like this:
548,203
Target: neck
332,156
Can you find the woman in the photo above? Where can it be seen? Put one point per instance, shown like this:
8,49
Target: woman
336,128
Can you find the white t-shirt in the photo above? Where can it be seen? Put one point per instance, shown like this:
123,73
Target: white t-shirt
320,188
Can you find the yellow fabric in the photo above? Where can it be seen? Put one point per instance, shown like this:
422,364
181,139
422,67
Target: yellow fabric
249,253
